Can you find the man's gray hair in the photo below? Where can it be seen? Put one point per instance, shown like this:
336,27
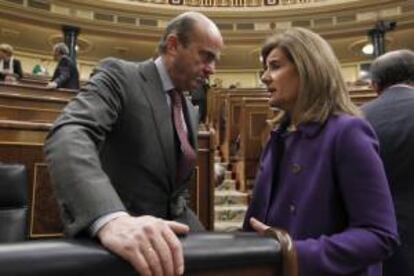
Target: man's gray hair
61,48
393,68
182,26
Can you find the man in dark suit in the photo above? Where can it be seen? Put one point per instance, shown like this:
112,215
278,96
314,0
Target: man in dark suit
66,73
122,153
392,116
10,67
199,98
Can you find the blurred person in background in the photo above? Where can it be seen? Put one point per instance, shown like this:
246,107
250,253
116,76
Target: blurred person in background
10,67
66,74
392,117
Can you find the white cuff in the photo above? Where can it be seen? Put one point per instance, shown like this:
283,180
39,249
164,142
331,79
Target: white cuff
100,222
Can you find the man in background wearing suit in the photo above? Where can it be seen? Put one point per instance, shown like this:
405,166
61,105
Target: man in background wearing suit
199,98
123,150
392,116
66,73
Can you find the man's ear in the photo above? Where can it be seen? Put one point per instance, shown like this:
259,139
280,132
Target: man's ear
375,87
171,42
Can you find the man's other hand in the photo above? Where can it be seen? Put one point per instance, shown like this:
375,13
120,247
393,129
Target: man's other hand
51,85
149,244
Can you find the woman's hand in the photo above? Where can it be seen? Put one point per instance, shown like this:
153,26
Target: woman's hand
258,226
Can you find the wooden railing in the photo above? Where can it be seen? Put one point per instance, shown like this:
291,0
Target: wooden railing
205,254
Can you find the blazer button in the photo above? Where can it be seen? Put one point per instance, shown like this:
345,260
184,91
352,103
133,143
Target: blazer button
295,168
292,208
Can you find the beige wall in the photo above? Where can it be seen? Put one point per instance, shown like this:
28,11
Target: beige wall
250,78
240,78
350,72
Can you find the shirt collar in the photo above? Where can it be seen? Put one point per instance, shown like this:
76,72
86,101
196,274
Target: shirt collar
166,82
308,129
400,85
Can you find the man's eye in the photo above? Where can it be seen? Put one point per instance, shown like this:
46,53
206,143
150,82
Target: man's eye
208,57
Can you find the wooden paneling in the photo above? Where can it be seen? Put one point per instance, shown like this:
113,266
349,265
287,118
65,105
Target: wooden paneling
28,114
202,191
232,103
41,102
362,95
44,219
33,90
35,80
23,132
254,113
22,142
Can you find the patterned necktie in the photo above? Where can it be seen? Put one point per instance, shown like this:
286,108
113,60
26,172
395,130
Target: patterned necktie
188,158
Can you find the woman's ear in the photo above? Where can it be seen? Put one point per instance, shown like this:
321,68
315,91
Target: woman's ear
376,87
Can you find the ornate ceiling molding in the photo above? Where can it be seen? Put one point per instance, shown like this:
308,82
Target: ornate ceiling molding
109,27
248,26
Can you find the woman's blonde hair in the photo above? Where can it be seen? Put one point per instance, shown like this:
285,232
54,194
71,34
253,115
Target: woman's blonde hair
6,48
322,89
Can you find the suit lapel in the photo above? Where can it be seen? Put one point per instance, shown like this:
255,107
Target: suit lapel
155,95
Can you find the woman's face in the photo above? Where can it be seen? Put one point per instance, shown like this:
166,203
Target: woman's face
282,80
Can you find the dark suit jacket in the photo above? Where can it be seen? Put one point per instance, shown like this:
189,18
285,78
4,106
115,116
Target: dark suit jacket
392,116
199,98
66,74
113,149
17,69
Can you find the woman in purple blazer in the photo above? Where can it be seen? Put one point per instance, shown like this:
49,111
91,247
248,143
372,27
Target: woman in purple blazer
320,175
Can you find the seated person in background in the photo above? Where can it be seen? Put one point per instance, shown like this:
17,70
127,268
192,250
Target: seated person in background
66,73
320,177
392,117
10,67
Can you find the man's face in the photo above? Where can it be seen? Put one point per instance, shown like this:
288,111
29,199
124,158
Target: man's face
56,55
4,55
193,64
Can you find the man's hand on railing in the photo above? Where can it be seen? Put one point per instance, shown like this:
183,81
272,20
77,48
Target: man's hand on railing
51,85
149,244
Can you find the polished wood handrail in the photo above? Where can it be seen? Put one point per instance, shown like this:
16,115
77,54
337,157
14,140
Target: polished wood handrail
12,124
289,256
205,254
38,98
